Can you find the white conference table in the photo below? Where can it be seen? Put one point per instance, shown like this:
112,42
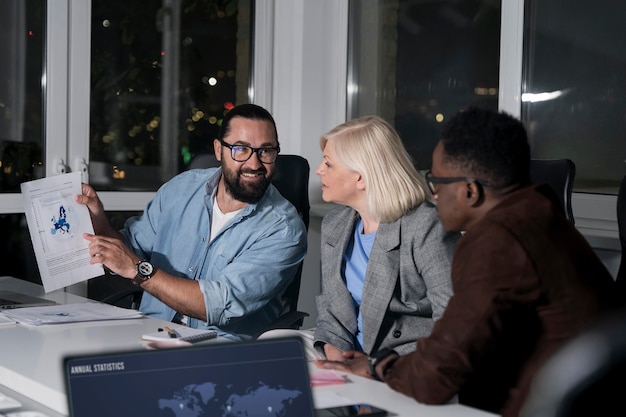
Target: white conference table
31,361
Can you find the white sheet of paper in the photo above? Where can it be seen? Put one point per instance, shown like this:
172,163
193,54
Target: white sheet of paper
70,313
56,224
6,321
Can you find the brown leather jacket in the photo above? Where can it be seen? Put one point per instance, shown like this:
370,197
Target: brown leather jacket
524,280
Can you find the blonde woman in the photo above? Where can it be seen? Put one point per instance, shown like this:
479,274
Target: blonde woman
385,256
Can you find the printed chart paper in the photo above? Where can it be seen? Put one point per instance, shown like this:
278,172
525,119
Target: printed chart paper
56,224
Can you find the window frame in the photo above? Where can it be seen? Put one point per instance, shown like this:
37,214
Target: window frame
280,31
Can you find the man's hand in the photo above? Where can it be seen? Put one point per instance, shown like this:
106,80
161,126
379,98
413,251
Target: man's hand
113,254
353,362
100,222
91,200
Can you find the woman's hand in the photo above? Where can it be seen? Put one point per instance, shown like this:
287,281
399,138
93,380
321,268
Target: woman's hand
351,361
332,353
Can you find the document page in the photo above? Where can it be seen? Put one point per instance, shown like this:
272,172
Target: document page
70,313
56,224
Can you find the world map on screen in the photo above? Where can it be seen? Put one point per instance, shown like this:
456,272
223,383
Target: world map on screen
210,399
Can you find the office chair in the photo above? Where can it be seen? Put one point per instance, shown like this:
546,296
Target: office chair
203,160
620,280
585,377
558,174
292,181
115,290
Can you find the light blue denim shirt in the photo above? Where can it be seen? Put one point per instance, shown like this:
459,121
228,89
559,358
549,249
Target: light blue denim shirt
242,272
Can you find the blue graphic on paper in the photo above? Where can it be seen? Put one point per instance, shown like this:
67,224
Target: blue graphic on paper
61,225
208,399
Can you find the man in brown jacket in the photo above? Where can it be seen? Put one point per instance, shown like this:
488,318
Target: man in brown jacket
524,279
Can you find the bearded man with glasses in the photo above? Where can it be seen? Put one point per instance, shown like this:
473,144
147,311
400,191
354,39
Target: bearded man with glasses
216,247
524,280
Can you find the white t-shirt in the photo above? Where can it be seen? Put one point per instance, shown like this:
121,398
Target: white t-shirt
219,219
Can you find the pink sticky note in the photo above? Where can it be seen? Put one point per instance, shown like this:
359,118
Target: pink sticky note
326,378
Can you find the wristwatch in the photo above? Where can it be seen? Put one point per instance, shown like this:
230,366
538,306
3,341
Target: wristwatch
376,358
145,270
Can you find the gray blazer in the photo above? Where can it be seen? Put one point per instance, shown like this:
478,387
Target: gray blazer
407,282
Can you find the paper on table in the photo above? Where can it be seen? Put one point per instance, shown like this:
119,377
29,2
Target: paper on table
6,321
70,313
56,224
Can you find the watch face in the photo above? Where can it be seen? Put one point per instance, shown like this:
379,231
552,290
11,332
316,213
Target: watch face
145,269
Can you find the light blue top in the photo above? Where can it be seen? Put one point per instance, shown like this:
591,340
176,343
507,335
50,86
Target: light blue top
242,272
356,258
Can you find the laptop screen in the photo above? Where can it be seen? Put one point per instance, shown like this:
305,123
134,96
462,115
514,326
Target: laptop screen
261,378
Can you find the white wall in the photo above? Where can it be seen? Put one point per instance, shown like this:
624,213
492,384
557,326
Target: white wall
307,72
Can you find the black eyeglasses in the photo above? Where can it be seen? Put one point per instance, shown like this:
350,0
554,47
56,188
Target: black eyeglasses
449,180
241,153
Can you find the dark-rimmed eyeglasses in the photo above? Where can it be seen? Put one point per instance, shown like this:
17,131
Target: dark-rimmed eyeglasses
431,181
241,153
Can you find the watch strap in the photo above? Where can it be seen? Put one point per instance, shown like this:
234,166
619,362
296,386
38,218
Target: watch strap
138,280
376,358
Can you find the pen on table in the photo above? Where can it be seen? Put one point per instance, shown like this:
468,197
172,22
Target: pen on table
172,333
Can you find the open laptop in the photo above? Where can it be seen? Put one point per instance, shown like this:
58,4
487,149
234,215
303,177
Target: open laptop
11,299
261,378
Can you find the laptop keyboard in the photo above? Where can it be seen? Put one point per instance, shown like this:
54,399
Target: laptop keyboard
13,404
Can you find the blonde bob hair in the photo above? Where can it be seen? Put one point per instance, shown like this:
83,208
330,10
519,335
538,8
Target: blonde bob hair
371,146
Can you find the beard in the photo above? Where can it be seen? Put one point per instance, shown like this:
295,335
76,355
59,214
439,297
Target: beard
246,192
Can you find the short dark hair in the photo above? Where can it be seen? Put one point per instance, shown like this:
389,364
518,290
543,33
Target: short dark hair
247,111
489,145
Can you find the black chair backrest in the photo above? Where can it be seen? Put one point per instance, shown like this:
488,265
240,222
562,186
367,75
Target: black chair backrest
292,181
559,174
203,160
620,280
585,377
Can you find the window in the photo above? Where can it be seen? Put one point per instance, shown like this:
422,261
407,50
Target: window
21,92
573,83
417,63
128,105
162,77
559,66
21,122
